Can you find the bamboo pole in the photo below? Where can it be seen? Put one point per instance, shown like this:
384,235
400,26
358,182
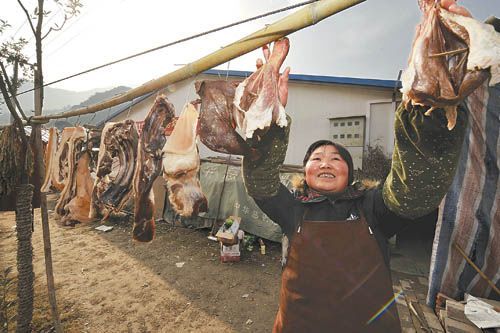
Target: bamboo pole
302,18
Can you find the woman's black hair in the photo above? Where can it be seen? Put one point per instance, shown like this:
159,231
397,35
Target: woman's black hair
346,156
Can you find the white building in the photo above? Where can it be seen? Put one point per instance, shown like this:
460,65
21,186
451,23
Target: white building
352,111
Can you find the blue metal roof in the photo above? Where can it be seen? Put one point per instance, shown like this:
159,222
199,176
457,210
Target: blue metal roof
317,79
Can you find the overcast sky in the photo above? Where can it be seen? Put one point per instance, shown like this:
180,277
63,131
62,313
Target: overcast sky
370,40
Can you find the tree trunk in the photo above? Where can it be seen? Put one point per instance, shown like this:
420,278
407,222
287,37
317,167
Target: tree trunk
24,222
47,248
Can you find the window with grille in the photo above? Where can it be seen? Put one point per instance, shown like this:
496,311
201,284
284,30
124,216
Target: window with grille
349,132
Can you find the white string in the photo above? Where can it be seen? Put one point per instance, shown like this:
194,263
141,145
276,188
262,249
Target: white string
130,108
227,70
188,93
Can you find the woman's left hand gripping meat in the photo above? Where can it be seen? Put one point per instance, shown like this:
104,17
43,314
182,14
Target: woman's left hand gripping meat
260,99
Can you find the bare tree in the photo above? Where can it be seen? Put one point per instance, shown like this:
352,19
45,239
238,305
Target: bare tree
11,60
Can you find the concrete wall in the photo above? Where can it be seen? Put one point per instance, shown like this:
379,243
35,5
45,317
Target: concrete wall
311,106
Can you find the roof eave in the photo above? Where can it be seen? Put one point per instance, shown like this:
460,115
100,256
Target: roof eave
377,83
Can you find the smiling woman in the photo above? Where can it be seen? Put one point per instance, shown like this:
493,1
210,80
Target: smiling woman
337,278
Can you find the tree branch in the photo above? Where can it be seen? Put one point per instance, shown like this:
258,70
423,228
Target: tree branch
10,89
66,18
28,16
11,108
71,9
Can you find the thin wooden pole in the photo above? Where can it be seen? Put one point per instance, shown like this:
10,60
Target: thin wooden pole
462,252
47,248
214,225
302,18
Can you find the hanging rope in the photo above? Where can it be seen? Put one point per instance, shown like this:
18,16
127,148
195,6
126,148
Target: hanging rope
93,117
130,108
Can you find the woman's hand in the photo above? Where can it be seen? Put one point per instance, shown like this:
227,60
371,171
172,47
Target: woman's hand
283,79
451,6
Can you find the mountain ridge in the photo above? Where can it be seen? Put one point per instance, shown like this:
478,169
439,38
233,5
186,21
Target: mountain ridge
58,100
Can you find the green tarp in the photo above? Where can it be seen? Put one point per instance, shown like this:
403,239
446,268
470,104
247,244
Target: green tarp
223,183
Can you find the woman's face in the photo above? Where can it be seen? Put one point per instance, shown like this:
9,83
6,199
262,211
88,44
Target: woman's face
326,170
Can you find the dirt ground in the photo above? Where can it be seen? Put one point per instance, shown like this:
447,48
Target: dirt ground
106,282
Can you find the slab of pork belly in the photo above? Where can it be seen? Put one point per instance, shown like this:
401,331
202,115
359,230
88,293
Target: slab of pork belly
181,163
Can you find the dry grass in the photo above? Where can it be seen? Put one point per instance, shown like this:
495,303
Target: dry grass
42,318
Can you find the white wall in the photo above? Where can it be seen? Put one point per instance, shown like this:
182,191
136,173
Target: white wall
310,105
381,125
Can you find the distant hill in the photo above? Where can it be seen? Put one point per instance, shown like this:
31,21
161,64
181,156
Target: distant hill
60,100
92,118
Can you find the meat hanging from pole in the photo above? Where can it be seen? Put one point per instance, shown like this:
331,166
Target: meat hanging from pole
451,56
217,123
181,163
73,204
115,168
56,159
149,166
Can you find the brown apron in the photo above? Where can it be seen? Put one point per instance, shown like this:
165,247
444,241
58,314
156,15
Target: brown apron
335,280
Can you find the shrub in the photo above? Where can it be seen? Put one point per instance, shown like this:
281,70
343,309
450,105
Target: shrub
376,165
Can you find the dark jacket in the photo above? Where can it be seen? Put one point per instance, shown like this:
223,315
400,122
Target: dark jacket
288,209
423,165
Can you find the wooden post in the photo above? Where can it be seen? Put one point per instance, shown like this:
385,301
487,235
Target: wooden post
39,164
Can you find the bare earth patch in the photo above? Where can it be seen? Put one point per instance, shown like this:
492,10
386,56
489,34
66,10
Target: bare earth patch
106,282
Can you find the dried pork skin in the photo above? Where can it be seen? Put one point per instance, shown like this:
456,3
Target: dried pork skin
181,163
149,166
439,74
50,159
77,209
59,165
72,148
257,97
113,183
216,126
483,41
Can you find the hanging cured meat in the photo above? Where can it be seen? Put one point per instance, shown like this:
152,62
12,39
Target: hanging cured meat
149,165
181,163
258,97
451,56
50,160
115,168
217,123
77,209
56,162
78,182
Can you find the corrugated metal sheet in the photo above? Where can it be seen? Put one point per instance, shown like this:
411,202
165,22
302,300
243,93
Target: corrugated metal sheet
45,133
